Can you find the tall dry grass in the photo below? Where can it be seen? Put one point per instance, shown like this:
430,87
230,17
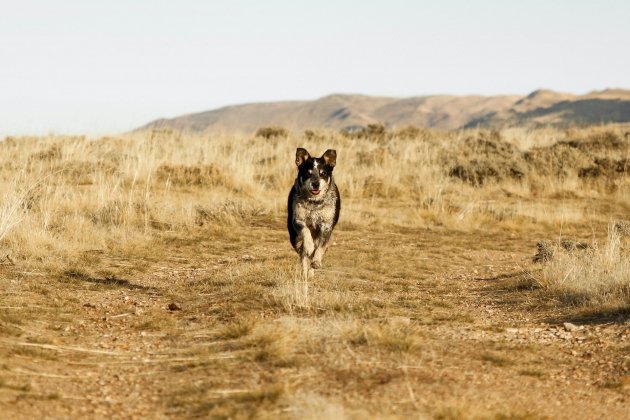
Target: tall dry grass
65,196
596,276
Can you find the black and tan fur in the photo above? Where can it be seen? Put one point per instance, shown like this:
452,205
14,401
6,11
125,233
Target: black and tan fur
314,206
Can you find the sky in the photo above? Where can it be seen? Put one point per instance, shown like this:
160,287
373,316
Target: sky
105,67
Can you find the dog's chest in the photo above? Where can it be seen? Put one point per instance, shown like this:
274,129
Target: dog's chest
315,214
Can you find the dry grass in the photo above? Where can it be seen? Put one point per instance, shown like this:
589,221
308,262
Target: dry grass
125,190
121,192
597,275
98,237
66,198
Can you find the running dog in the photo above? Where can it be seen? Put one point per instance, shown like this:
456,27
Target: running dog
314,206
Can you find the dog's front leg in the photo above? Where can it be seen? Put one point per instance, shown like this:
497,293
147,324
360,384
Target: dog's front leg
307,248
318,256
320,247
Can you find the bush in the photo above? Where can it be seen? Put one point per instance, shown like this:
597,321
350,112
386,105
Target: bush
591,275
375,132
272,132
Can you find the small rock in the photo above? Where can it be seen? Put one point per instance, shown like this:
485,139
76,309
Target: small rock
511,330
174,306
570,327
89,305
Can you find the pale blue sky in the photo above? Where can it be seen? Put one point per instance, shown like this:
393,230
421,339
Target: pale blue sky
96,67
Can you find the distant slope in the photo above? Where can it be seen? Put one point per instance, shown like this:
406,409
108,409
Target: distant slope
542,107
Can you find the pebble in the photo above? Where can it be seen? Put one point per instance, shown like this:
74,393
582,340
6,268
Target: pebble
570,327
174,306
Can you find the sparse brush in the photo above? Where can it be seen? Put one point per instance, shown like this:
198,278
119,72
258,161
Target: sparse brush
622,227
129,189
236,330
199,176
291,293
229,212
11,213
374,132
271,132
17,201
591,275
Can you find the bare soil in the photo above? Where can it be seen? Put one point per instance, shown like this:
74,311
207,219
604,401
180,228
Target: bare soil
429,323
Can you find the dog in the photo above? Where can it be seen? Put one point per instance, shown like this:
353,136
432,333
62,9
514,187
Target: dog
313,208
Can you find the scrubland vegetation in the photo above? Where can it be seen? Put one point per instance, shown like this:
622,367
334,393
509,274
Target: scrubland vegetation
64,196
180,238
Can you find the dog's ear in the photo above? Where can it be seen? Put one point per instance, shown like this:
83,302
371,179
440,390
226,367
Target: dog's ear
330,157
301,155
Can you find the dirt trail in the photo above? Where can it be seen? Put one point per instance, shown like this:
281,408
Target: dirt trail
427,323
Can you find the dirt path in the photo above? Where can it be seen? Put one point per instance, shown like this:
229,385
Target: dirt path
425,323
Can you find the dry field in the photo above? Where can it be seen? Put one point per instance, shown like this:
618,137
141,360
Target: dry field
151,276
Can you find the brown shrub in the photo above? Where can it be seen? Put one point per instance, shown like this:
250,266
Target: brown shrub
622,227
410,132
201,175
113,213
474,172
375,132
374,157
598,142
54,152
488,144
272,132
314,135
544,251
82,172
558,160
606,167
487,158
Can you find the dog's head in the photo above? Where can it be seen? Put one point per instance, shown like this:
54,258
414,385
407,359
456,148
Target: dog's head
314,174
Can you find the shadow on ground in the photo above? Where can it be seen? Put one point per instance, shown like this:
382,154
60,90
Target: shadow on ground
594,317
107,281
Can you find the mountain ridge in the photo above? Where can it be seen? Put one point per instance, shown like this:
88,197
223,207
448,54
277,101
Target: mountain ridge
343,111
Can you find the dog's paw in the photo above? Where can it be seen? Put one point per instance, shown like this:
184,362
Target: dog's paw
316,265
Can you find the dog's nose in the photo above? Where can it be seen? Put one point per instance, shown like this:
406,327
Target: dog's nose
315,184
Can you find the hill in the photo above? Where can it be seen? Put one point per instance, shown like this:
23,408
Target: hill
542,107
